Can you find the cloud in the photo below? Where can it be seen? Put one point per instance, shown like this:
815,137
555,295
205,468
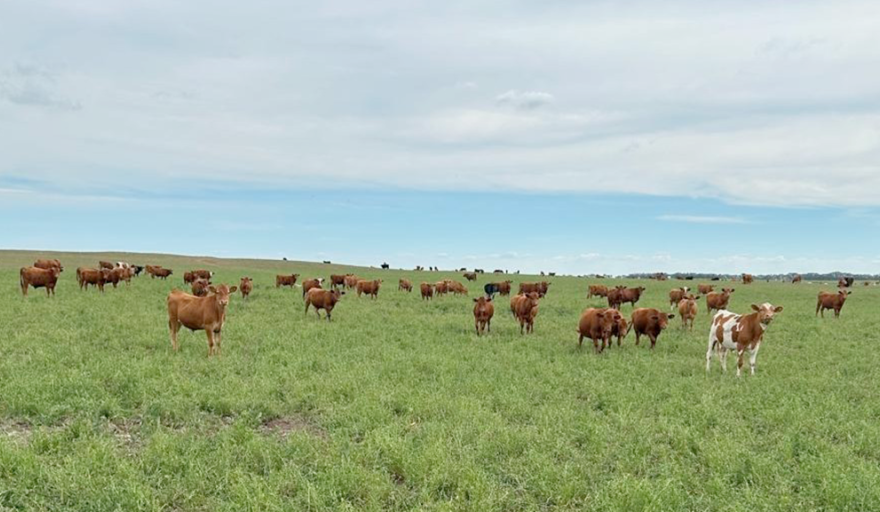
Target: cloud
528,100
30,84
699,219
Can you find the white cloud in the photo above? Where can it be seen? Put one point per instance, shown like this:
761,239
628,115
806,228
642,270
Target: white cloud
527,100
701,219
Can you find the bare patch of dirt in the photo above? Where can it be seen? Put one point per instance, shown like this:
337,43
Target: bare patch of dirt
284,426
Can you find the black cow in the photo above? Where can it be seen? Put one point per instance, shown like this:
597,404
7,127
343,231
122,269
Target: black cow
491,289
386,266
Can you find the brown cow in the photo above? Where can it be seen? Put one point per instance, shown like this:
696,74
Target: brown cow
687,310
199,314
106,264
797,279
47,264
484,310
649,322
89,276
427,291
323,299
718,300
525,310
620,329
833,301
597,290
200,287
503,287
470,276
705,289
843,282
151,269
598,324
539,288
456,288
676,295
632,295
748,278
286,280
39,278
162,273
246,286
351,281
370,288
405,285
203,274
730,331
615,297
441,288
188,277
311,284
337,280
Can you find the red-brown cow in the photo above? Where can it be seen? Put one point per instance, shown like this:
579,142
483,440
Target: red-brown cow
370,288
246,286
484,310
39,278
427,291
405,285
615,297
162,273
687,310
597,290
649,322
441,288
730,331
718,300
351,281
833,301
676,295
632,295
199,314
337,280
106,264
598,324
286,280
457,288
151,269
470,276
705,289
748,278
323,299
312,284
539,288
47,264
504,287
89,276
525,310
797,279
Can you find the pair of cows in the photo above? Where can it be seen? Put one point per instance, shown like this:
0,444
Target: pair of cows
43,274
618,295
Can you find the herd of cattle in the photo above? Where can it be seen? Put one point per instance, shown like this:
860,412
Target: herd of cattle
205,308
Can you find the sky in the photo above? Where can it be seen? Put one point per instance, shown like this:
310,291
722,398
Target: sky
574,137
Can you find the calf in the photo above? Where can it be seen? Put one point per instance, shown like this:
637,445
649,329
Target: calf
484,310
199,314
322,299
676,295
597,290
730,331
718,300
441,288
649,322
833,301
200,287
311,284
285,280
705,289
370,288
405,285
687,310
598,324
47,264
89,276
246,286
470,276
427,291
525,310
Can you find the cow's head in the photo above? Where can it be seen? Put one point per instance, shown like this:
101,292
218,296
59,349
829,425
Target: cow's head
221,294
608,320
662,320
728,291
843,294
766,312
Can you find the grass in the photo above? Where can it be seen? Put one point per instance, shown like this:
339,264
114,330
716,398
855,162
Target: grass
398,405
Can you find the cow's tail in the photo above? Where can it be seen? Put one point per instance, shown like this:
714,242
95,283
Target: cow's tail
21,279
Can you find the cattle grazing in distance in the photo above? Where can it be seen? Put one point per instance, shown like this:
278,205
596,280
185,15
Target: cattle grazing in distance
748,278
845,282
337,280
539,288
327,262
615,297
687,310
649,322
137,269
427,291
676,295
89,276
484,310
351,281
404,285
162,273
705,289
311,284
718,300
632,295
730,331
323,299
796,279
370,288
288,280
151,269
199,314
833,301
479,271
246,286
470,276
525,310
200,287
597,290
385,266
456,288
598,324
106,264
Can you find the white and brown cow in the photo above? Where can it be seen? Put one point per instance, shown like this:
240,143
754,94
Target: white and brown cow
730,331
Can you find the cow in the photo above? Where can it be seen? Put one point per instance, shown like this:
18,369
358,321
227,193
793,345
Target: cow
705,289
47,264
796,279
89,276
615,297
337,280
310,284
539,288
39,278
188,277
370,288
137,270
491,289
504,287
200,287
199,314
203,274
441,288
351,281
405,285
162,273
598,324
385,266
151,269
110,277
323,299
427,291
676,295
620,329
687,310
649,322
748,278
730,331
470,276
286,280
479,271
718,300
632,295
123,274
845,282
833,301
246,286
328,262
484,310
457,288
525,310
597,290
106,264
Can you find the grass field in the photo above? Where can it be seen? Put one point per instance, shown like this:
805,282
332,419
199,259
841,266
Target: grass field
398,405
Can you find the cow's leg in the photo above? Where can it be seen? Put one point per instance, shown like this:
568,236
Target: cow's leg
709,351
638,338
739,361
218,338
489,325
653,338
306,312
174,326
210,334
753,358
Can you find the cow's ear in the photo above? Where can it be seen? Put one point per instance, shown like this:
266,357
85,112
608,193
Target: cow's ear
756,308
656,318
232,290
778,309
212,289
476,300
670,317
849,293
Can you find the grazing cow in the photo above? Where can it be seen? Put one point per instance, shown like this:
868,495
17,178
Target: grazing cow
525,310
311,284
327,262
337,280
370,288
323,299
540,288
246,286
106,264
110,277
162,273
137,270
456,288
286,280
598,324
687,310
151,269
797,278
39,278
843,282
504,287
405,285
597,290
615,297
632,295
833,301
705,289
730,331
89,276
649,322
491,289
479,271
123,274
385,266
351,281
441,288
716,279
427,291
484,310
718,300
200,287
748,278
676,295
470,276
199,314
